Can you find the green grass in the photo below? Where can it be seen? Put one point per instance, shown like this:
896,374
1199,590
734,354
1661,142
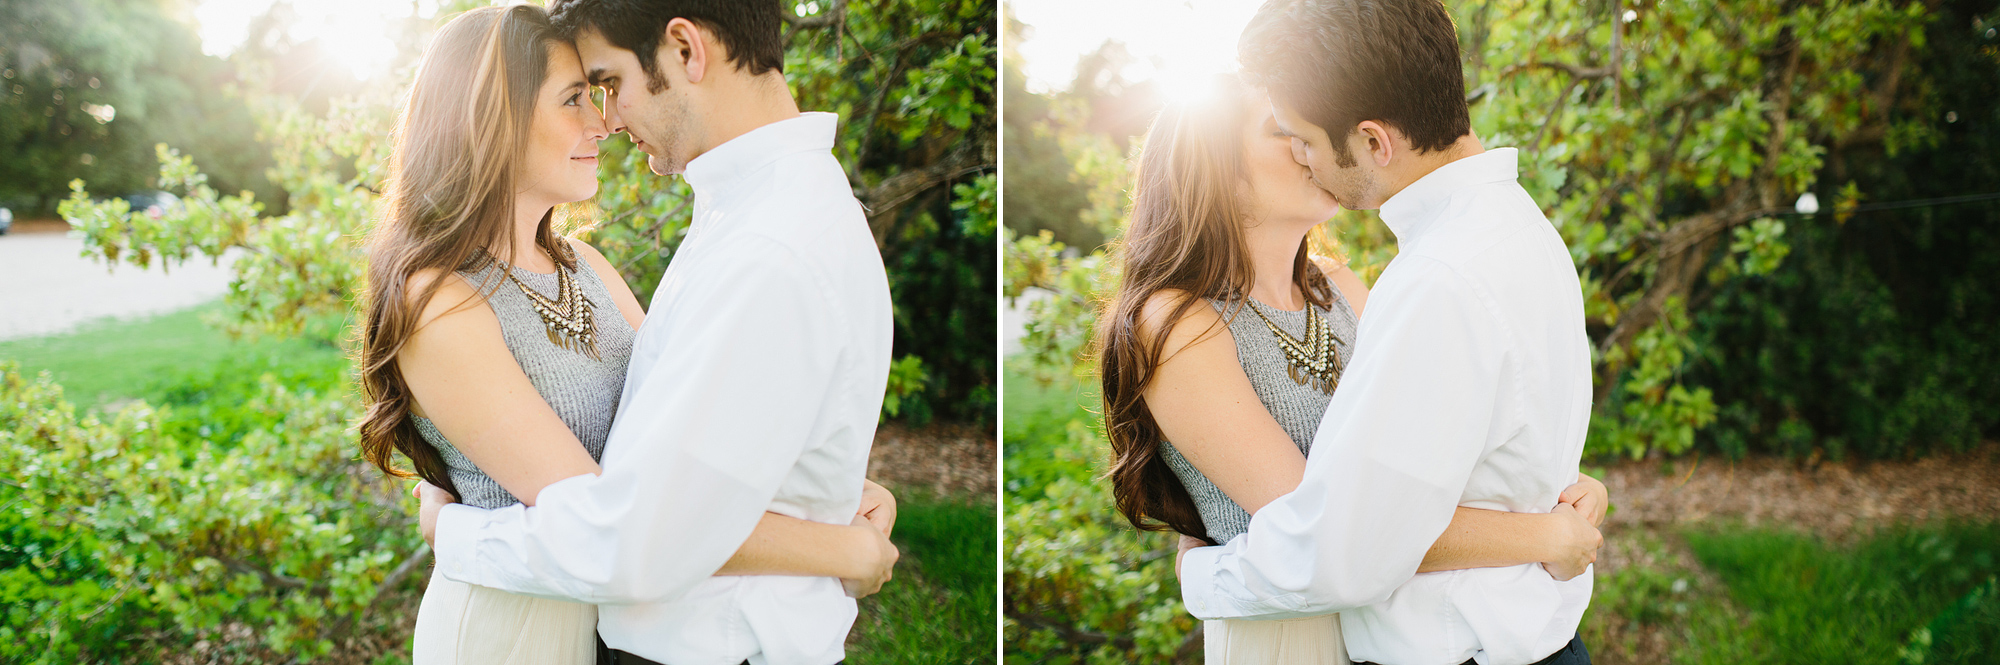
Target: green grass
162,358
1813,602
1916,594
940,607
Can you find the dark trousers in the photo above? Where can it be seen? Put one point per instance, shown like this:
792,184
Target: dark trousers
609,656
1571,654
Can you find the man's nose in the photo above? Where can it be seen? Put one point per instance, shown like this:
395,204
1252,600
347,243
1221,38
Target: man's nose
612,122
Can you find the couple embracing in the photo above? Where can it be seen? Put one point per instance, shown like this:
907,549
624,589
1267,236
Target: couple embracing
602,483
1386,477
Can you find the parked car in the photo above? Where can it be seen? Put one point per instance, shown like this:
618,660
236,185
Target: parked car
6,220
154,203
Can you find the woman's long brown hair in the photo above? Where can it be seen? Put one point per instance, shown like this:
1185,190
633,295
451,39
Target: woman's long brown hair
1185,234
450,197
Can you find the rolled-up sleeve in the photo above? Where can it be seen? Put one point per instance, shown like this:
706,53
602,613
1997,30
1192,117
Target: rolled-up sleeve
713,420
1413,415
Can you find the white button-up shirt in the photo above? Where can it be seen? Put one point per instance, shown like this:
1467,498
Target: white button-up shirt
754,385
1470,386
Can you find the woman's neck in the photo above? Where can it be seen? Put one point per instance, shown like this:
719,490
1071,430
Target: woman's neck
528,255
1273,247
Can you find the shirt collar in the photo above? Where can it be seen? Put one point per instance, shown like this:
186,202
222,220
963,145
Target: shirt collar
723,166
1409,212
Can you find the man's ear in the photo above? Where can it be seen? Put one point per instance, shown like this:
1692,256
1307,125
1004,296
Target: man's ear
684,41
1382,146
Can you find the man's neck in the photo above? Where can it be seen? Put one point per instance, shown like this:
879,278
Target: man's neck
1423,164
746,104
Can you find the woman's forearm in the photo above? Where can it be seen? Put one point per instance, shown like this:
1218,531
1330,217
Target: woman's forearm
784,545
1491,538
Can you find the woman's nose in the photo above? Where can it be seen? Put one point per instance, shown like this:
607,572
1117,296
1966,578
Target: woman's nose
598,124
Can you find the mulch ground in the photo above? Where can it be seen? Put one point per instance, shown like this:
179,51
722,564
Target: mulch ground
1830,499
942,460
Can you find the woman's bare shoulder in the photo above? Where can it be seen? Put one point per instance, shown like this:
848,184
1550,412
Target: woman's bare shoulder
454,295
1194,321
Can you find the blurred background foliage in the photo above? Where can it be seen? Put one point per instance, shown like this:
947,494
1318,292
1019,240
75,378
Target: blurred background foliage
157,527
1670,143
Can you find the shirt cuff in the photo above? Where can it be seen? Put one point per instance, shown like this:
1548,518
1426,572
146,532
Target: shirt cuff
457,536
1197,582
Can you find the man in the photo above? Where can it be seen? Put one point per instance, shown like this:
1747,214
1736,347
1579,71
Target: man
755,383
1471,376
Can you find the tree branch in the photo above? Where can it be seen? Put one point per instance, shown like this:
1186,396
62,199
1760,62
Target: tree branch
885,198
1585,73
831,16
1561,101
1070,634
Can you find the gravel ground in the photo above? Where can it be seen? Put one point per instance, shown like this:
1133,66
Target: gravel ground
48,287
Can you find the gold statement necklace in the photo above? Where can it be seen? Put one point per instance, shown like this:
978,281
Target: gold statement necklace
1313,361
568,318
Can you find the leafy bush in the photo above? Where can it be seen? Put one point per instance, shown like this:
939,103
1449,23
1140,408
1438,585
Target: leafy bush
121,525
1081,585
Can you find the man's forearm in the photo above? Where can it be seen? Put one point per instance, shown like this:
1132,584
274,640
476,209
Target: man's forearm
784,545
589,541
1489,539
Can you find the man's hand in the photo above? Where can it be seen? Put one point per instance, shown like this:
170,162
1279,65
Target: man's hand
432,499
1187,543
878,506
881,560
1575,544
1590,498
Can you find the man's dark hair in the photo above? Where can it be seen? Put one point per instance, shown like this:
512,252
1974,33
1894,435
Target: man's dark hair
1342,62
751,30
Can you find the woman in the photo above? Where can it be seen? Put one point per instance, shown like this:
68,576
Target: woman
1227,338
495,348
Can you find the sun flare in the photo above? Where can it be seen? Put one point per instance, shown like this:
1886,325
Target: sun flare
354,33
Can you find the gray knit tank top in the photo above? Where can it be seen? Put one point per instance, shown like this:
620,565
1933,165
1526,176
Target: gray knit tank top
1297,408
583,392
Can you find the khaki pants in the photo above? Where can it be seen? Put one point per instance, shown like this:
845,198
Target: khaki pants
1307,641
462,624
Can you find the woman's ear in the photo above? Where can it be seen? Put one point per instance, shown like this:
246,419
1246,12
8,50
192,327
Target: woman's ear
684,38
